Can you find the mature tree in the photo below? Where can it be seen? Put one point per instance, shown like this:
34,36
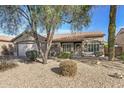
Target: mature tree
53,17
111,32
49,18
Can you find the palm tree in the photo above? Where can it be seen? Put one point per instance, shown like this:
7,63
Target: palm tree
111,32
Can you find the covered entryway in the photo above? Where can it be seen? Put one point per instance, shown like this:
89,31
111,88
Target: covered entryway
77,47
77,50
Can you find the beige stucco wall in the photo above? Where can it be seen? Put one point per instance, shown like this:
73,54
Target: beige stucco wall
96,38
25,37
120,40
28,37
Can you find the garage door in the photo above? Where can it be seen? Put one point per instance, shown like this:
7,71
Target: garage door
22,48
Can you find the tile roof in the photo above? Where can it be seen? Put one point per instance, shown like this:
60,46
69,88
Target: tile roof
5,38
73,37
78,36
39,36
119,38
120,32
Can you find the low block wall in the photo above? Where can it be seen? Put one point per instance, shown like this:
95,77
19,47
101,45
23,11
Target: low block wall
118,51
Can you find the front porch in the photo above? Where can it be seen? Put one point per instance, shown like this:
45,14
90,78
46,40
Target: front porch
79,49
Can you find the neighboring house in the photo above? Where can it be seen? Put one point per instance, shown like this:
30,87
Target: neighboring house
119,40
4,40
78,43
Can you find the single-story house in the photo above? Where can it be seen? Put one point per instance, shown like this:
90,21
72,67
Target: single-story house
119,40
79,43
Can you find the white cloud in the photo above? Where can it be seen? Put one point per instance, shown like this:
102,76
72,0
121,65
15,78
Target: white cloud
62,31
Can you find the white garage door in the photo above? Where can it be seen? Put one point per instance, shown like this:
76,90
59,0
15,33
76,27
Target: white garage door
22,48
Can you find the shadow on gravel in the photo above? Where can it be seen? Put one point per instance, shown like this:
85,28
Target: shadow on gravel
56,70
111,76
114,76
113,66
7,65
27,61
38,61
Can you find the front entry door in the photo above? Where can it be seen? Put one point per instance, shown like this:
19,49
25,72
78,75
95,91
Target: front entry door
78,49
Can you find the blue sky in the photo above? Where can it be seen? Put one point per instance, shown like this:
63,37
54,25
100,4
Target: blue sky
99,21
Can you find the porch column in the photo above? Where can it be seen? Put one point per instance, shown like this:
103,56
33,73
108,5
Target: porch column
61,48
72,47
101,49
16,50
82,46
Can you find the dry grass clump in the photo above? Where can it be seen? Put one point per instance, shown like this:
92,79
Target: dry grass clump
7,65
68,68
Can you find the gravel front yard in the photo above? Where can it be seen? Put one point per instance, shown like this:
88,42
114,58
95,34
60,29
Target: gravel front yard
39,76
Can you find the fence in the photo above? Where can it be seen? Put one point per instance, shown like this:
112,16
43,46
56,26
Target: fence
118,51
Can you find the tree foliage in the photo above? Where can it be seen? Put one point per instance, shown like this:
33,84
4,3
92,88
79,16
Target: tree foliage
45,18
14,17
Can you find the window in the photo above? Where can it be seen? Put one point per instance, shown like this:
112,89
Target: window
66,47
93,47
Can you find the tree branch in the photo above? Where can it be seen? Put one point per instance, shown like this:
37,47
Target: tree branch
67,21
25,15
30,13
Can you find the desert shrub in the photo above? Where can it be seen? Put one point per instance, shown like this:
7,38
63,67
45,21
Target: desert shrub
98,54
6,65
65,55
5,50
68,68
32,55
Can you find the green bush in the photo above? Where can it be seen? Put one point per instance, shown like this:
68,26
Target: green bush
68,68
65,55
98,54
122,56
32,55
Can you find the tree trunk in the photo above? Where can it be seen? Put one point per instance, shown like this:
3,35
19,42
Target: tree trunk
111,33
50,33
35,35
48,45
44,59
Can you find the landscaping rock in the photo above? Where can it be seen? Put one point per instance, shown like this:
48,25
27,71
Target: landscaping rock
98,62
118,75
